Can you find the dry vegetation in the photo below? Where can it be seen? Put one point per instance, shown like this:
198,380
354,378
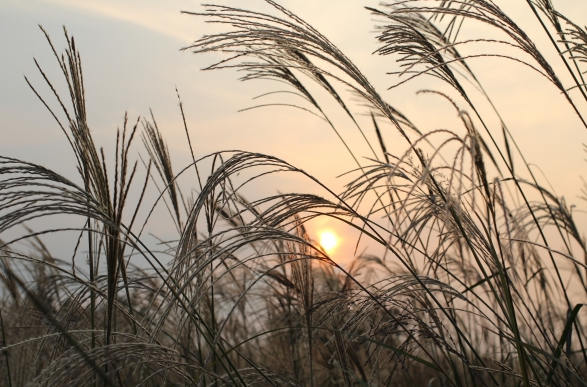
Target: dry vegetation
482,279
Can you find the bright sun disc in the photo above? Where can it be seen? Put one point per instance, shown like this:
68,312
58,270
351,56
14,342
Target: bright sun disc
328,240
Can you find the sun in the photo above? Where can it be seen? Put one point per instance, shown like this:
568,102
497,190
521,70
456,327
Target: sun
328,240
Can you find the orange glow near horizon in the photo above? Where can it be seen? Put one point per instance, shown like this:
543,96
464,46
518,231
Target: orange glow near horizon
328,241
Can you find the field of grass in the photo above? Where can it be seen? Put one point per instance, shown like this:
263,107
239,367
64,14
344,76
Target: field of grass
482,278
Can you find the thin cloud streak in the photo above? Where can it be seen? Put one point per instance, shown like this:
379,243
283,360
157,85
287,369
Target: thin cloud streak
162,18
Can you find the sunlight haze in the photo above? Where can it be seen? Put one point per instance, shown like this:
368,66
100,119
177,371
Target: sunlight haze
328,240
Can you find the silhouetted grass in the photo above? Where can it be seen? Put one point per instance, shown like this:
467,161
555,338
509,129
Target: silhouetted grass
481,283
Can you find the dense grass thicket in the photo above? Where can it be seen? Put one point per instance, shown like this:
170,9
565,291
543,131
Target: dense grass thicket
482,276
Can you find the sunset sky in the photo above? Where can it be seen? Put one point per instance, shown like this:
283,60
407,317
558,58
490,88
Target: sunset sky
132,62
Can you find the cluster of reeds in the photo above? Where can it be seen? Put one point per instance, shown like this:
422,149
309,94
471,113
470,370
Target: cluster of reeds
481,282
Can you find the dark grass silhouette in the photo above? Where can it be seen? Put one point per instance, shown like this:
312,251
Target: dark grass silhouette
481,283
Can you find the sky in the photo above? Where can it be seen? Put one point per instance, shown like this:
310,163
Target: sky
133,62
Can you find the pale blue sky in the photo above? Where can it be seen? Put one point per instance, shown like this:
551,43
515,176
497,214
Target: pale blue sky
132,62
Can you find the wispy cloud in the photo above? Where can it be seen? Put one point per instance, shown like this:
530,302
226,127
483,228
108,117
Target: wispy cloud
161,17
